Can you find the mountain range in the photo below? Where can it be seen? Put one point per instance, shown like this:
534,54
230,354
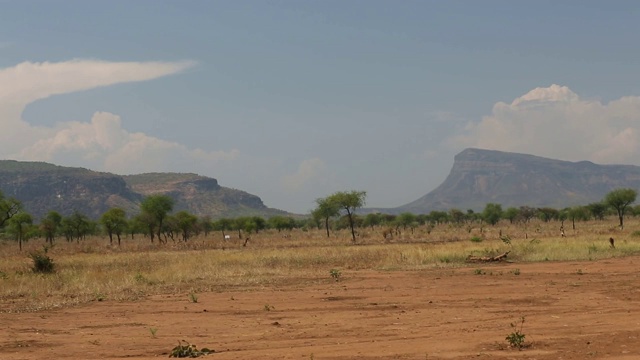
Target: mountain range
481,176
42,187
477,177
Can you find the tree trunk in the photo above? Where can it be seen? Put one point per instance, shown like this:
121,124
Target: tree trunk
353,233
326,225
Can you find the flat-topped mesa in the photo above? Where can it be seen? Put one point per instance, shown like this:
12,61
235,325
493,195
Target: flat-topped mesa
482,176
42,187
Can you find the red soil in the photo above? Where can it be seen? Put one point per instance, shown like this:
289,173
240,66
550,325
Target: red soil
572,310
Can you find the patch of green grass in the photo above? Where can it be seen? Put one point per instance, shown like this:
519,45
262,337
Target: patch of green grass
476,239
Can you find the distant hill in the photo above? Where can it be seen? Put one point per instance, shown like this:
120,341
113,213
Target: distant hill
480,176
42,187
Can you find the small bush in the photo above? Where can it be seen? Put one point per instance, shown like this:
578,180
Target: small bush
42,263
476,239
335,274
516,338
186,350
193,297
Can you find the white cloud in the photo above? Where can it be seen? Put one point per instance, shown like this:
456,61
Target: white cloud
555,122
105,143
309,171
101,144
28,81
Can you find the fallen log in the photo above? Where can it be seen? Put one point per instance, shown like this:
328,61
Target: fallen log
472,258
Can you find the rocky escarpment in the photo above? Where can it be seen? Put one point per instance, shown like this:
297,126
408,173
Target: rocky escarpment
200,195
480,176
42,187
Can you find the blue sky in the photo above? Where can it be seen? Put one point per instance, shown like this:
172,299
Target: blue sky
294,100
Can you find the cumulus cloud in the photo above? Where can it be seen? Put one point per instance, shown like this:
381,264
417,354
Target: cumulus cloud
102,143
555,122
309,170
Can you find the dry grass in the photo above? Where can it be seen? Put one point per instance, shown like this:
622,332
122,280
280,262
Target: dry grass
92,270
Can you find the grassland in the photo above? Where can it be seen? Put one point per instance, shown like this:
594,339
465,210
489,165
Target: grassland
93,270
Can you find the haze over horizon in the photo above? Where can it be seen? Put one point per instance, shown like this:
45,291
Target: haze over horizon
294,100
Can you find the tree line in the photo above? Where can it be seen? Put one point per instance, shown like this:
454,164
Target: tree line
337,211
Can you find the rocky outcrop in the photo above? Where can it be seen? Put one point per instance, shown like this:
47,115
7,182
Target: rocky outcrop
480,176
200,195
42,187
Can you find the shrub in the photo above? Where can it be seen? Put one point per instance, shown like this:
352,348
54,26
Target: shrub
476,239
335,274
186,350
42,263
516,338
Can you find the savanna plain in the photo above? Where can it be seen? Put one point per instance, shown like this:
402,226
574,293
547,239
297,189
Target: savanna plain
301,295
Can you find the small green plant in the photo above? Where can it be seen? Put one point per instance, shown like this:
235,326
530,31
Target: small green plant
186,350
506,239
516,271
141,279
335,274
3,275
153,332
593,248
42,263
635,233
476,239
268,307
479,272
100,297
516,338
193,297
579,272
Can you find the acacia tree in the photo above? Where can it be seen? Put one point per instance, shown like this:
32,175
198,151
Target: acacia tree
511,214
325,210
9,207
76,225
50,224
597,210
492,213
157,207
349,202
114,221
186,222
18,224
223,225
620,199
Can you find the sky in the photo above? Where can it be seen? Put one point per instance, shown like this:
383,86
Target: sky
294,100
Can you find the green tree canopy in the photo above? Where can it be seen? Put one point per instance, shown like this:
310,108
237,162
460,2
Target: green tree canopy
18,224
348,201
492,213
8,208
186,222
157,207
114,221
620,199
50,224
325,210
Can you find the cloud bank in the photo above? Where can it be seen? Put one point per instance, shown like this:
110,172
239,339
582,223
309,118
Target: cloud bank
555,122
102,143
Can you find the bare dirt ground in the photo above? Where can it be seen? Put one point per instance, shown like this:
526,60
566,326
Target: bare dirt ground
572,310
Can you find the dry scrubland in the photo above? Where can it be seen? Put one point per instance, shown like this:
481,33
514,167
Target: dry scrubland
93,270
412,297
